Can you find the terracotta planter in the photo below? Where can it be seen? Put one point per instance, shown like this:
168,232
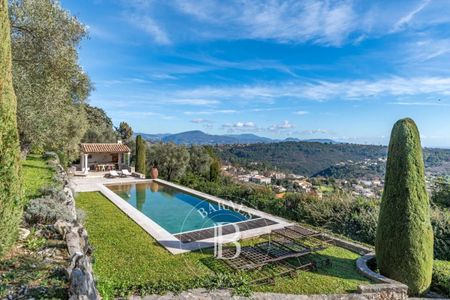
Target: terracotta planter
154,173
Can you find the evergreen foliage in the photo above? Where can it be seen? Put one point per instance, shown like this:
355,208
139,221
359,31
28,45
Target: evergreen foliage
200,160
140,155
172,160
125,132
50,85
10,177
214,170
404,241
100,127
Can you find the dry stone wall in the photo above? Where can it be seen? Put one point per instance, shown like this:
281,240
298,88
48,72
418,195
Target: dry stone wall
81,277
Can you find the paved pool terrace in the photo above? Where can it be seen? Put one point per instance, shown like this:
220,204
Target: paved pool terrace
183,242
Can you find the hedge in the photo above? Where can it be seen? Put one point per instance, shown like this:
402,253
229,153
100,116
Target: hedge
404,240
11,200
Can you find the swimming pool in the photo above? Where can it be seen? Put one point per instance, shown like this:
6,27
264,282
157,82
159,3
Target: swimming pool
175,210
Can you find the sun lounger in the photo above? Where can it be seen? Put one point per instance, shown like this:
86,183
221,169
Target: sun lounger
126,173
112,174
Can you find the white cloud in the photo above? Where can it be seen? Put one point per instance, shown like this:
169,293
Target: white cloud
424,50
326,22
282,126
301,112
315,132
436,102
138,13
323,90
201,121
211,112
195,102
406,19
239,125
148,25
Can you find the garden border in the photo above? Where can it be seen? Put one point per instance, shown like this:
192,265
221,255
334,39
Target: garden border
80,273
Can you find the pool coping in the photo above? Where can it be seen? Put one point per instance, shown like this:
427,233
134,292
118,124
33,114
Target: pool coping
168,240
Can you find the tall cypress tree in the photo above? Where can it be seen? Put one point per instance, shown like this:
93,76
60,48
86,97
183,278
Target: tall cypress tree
404,241
10,180
140,155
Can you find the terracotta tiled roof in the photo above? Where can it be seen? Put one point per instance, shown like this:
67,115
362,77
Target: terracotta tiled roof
104,148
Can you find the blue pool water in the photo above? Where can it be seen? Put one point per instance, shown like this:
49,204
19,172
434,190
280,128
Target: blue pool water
174,210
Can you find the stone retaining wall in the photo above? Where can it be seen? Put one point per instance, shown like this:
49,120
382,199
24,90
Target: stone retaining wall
369,292
81,278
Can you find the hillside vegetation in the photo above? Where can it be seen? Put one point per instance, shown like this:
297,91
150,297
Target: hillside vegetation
309,158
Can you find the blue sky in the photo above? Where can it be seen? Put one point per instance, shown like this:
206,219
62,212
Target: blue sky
345,70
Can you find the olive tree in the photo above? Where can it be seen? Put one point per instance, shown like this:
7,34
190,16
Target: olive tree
50,85
172,160
200,160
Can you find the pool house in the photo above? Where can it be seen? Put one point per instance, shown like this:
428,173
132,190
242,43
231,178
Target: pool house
102,157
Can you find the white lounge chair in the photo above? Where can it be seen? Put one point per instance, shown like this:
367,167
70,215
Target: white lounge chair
126,173
112,174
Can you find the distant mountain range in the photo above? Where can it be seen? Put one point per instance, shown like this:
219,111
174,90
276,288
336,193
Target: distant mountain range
201,138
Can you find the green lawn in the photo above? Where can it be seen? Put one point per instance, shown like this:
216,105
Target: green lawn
127,259
36,175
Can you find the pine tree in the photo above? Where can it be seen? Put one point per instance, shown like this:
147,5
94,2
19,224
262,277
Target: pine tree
404,241
140,155
10,180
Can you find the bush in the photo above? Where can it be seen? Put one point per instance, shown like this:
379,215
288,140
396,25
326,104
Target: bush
441,193
11,200
355,218
46,210
441,227
441,278
55,193
404,241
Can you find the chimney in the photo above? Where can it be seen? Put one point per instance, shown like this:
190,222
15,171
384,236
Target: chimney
119,142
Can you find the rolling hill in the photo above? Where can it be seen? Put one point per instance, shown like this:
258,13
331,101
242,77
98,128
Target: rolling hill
320,159
201,138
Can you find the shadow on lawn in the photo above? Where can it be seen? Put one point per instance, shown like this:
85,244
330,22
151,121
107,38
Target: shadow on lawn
328,265
35,157
31,166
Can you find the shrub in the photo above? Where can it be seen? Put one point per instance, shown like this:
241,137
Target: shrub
441,277
46,211
34,242
441,193
11,201
140,155
53,192
441,227
404,241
